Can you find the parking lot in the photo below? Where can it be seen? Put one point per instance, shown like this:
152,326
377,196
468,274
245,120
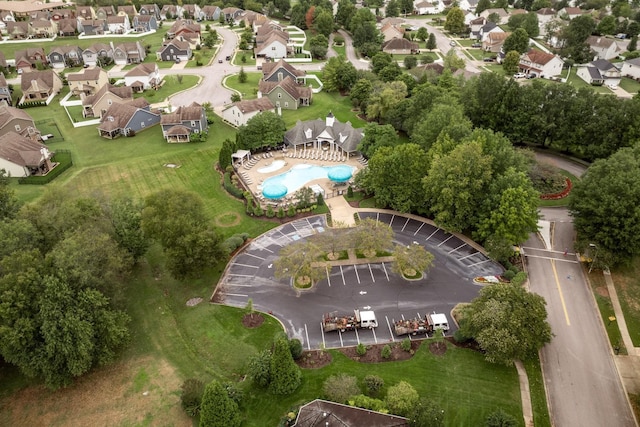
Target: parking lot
365,286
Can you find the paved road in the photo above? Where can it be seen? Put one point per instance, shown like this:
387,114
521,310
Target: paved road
250,275
583,385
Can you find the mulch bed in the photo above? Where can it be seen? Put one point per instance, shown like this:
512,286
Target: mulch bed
374,353
314,359
252,320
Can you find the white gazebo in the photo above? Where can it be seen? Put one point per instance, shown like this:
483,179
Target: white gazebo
241,155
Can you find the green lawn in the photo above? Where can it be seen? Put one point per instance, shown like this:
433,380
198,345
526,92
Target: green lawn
598,286
630,85
75,111
538,394
171,85
578,83
249,89
627,283
564,201
340,50
322,104
205,56
247,55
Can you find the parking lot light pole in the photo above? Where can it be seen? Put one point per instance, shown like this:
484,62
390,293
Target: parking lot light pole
595,255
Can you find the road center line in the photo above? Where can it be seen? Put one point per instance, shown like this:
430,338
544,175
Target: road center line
564,307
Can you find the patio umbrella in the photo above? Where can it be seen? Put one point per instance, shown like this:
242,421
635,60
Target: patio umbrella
340,173
274,191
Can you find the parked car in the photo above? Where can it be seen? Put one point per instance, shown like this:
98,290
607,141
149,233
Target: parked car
220,61
228,58
532,75
476,45
621,36
519,75
489,59
177,60
452,43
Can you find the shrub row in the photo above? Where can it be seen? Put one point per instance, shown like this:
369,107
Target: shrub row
231,189
32,104
561,194
61,156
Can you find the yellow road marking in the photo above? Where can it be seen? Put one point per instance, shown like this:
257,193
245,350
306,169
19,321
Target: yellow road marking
564,307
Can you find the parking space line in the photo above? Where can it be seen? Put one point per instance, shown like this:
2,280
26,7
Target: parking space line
389,325
431,235
239,285
255,256
370,271
355,267
374,335
357,336
454,250
391,222
241,275
377,216
419,228
478,263
344,282
328,279
468,256
236,295
324,344
405,224
307,334
285,235
445,240
244,265
341,343
385,271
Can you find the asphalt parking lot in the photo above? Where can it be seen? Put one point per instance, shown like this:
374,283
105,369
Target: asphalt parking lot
364,286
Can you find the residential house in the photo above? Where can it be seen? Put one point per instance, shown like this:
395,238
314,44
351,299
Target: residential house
104,12
39,15
468,5
475,25
85,13
278,71
93,27
319,413
3,27
170,12
7,16
17,120
88,81
65,56
127,119
39,85
501,13
390,32
68,27
487,29
179,125
239,113
468,17
150,10
211,13
144,76
192,11
174,49
400,47
183,26
329,133
144,23
541,63
286,94
97,54
59,14
494,42
5,92
193,39
128,53
231,13
603,47
428,7
21,157
42,29
128,10
631,68
600,72
119,24
18,30
272,44
3,61
545,15
570,13
29,58
98,104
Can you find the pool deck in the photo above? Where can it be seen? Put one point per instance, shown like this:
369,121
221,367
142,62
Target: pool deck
253,179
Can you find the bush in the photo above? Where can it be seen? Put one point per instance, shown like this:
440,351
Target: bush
231,189
386,352
285,374
366,402
373,384
500,418
270,213
508,275
406,344
280,213
260,368
401,398
340,387
295,347
191,396
217,408
350,192
233,243
258,211
291,211
319,200
361,349
234,393
519,278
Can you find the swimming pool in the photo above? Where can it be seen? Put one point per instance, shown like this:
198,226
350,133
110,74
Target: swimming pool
296,177
272,167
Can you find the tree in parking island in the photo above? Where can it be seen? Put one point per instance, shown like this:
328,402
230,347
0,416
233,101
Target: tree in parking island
507,322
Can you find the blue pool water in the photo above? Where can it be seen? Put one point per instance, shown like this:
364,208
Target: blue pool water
296,177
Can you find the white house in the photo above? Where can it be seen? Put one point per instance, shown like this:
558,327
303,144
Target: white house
239,113
144,76
603,47
600,72
631,68
119,24
274,47
499,12
428,7
487,29
541,63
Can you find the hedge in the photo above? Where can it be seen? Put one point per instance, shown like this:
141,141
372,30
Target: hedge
32,104
232,189
61,156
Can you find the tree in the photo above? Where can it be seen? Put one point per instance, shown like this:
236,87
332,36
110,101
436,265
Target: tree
323,22
384,98
340,387
406,7
366,34
518,41
442,119
371,236
360,93
527,21
482,6
392,9
500,418
9,205
507,322
453,62
410,62
401,398
227,150
283,6
373,384
395,176
359,18
260,368
494,17
411,258
126,219
308,17
431,42
191,396
575,34
380,60
18,235
262,130
332,241
454,22
426,413
242,76
218,409
318,46
607,25
338,74
235,97
346,10
375,137
611,223
510,62
422,34
633,43
285,374
296,260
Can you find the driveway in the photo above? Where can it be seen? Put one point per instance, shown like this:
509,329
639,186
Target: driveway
363,286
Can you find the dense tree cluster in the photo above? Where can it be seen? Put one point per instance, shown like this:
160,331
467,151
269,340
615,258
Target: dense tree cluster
262,130
275,368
